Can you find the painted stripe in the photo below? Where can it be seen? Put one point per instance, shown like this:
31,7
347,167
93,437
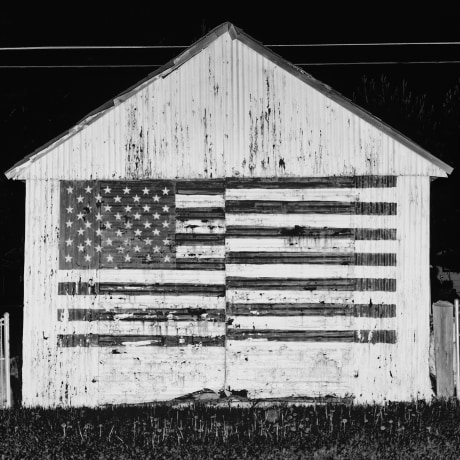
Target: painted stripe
197,251
279,272
329,258
313,182
363,336
375,234
200,263
311,309
309,207
306,244
273,296
141,314
95,340
311,194
312,220
140,289
199,239
200,187
200,201
199,213
312,323
198,226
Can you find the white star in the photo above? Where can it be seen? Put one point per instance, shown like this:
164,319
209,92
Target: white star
136,198
146,208
137,216
108,225
107,189
118,216
68,258
98,232
80,199
108,242
137,248
81,248
69,223
156,198
69,190
165,208
88,189
88,258
119,232
156,249
156,232
128,208
117,199
156,216
165,191
109,258
107,208
126,190
128,224
98,248
148,241
98,197
165,224
88,242
148,258
147,224
126,242
99,216
120,249
166,241
88,224
127,258
80,215
146,191
138,232
167,259
80,231
69,209
68,242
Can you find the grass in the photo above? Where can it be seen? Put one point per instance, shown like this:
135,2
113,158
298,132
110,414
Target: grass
395,430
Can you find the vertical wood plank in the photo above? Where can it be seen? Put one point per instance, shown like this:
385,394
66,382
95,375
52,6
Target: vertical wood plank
443,348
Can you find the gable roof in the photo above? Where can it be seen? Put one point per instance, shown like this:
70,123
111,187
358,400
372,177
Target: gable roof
193,50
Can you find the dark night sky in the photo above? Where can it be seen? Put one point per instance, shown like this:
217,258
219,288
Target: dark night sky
39,104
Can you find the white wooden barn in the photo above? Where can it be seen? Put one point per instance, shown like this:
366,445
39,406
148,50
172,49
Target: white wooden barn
228,223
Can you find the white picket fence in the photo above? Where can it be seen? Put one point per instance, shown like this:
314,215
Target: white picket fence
5,387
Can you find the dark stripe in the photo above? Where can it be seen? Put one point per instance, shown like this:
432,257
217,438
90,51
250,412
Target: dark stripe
275,335
241,231
309,207
311,258
200,263
95,340
187,239
200,213
140,314
140,289
312,284
314,182
312,309
200,187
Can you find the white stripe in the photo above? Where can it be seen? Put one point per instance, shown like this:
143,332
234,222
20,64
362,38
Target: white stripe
216,251
120,301
200,201
201,226
171,328
315,194
313,323
306,244
309,271
312,220
146,276
292,296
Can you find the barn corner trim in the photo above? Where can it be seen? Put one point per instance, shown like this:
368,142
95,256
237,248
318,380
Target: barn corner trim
16,172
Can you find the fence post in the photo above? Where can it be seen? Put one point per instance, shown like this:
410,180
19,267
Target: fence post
443,348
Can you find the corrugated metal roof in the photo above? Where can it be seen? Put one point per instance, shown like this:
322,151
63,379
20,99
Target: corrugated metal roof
236,34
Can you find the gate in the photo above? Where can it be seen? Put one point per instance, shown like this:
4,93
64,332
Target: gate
5,387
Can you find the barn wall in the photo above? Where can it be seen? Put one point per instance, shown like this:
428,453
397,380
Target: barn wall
228,111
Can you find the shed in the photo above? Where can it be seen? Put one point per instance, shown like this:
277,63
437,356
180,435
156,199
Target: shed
228,223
